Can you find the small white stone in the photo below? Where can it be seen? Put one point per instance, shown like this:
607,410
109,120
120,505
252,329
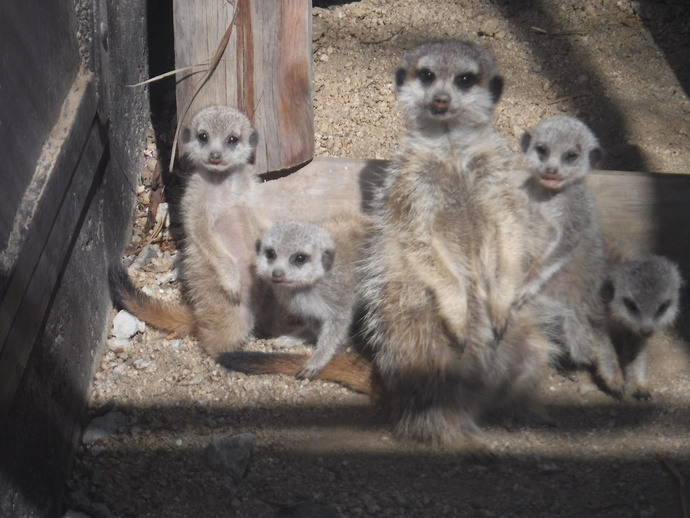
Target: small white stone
126,325
141,363
163,215
119,345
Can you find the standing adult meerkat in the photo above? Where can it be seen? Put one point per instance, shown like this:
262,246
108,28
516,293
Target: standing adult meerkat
311,270
222,219
448,254
642,298
560,152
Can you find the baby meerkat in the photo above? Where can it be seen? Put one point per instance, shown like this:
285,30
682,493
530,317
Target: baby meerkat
222,219
560,152
642,299
446,260
311,270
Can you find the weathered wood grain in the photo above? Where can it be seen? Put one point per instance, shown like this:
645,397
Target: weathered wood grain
266,71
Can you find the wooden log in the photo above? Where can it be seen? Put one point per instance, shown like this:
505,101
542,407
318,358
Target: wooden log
266,71
649,212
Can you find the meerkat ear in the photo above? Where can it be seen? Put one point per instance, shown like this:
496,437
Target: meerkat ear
496,88
525,141
186,135
253,138
257,246
595,157
327,259
400,77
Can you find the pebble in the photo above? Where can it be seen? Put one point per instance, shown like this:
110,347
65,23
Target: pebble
103,427
230,454
119,345
151,164
147,253
126,325
163,215
585,389
141,363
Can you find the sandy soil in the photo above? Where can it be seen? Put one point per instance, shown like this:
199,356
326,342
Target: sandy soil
622,67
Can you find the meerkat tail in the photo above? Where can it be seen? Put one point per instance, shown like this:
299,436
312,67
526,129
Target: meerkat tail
166,316
350,370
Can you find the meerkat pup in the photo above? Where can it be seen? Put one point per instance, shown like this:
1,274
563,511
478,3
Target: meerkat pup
311,270
560,152
446,260
222,219
642,299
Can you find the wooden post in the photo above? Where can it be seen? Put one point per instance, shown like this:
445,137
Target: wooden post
266,70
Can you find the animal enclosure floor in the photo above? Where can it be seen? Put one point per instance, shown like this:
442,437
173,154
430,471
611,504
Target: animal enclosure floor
620,66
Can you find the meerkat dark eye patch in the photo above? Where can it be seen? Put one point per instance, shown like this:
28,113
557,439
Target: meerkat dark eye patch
233,140
466,80
542,151
426,76
299,259
270,254
663,308
202,137
631,306
327,259
570,157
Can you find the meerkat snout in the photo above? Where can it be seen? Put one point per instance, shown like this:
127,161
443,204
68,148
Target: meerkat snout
214,157
441,103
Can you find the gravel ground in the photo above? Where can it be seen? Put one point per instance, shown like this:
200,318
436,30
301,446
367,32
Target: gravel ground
159,406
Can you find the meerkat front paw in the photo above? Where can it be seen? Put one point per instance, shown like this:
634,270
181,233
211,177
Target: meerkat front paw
637,390
231,290
458,336
499,319
499,333
613,382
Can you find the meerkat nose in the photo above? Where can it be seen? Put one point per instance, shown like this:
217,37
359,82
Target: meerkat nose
440,103
214,158
646,331
277,275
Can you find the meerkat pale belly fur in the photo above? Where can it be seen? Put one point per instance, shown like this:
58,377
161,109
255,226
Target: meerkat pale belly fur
642,296
560,152
447,257
311,269
222,219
